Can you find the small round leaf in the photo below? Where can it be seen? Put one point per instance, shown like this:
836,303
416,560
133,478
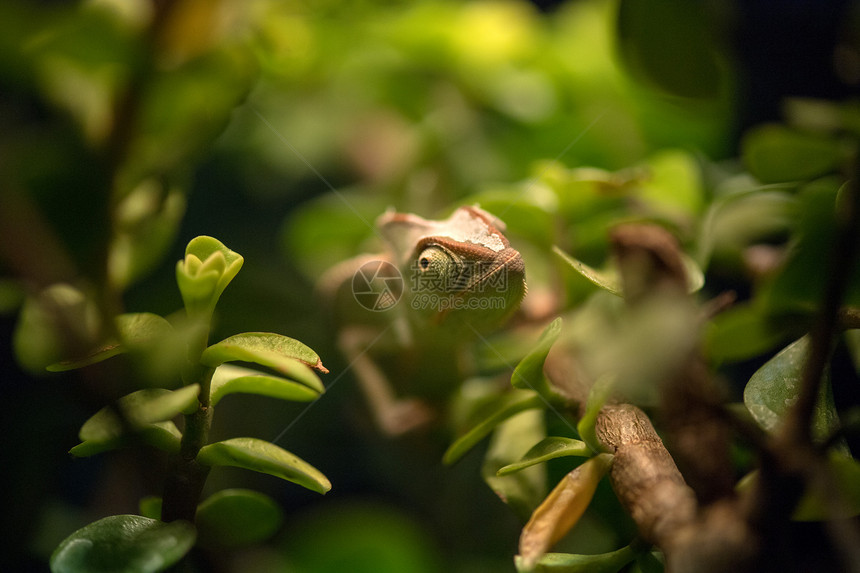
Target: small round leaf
123,544
235,518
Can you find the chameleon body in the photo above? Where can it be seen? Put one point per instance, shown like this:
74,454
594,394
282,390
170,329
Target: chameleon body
437,286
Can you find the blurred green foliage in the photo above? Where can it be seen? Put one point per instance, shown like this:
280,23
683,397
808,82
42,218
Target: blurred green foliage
285,128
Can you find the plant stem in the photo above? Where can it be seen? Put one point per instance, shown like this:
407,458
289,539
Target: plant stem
186,477
798,427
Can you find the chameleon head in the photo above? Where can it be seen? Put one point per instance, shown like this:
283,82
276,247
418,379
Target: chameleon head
461,271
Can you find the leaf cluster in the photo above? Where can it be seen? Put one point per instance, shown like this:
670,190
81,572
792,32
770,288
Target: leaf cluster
228,518
786,210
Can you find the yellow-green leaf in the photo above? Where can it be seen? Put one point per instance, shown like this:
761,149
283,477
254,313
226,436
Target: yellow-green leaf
267,349
264,457
547,449
230,379
233,518
607,280
571,563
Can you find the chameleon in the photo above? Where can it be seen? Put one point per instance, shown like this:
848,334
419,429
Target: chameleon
405,316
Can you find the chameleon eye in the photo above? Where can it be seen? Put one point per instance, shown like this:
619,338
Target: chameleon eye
435,259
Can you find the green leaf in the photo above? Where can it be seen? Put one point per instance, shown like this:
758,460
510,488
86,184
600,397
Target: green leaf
823,116
801,285
491,415
570,563
135,329
268,349
264,457
205,272
139,408
235,518
98,355
607,280
674,183
528,208
839,499
597,397
150,506
528,375
524,491
676,56
146,221
740,333
147,414
852,343
649,562
774,153
162,435
547,449
123,544
140,328
229,379
773,389
330,229
197,289
836,498
695,275
204,248
47,323
741,218
359,536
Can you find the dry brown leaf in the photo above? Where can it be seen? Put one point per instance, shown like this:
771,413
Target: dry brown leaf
561,509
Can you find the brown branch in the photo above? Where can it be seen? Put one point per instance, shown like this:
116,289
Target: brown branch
643,474
694,535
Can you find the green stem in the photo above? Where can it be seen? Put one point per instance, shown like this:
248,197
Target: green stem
186,477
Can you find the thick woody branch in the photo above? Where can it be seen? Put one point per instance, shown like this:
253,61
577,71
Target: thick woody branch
643,474
693,536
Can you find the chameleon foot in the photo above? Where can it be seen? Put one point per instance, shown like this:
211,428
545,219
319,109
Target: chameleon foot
404,416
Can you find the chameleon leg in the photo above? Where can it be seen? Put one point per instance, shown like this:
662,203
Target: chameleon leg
394,416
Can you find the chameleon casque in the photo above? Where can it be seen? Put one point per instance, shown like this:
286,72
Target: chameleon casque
442,283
